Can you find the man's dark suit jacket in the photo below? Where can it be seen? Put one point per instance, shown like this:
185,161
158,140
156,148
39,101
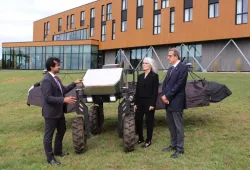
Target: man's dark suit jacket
147,88
53,105
174,88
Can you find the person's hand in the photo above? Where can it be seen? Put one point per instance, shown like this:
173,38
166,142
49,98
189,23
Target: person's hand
78,81
69,100
151,108
165,101
135,107
163,98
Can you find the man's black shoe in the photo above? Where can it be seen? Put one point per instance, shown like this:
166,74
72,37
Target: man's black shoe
54,162
140,141
146,144
177,154
170,148
62,154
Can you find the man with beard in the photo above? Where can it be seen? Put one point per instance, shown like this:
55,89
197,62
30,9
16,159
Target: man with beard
54,105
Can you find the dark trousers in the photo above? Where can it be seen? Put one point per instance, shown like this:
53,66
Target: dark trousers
175,125
143,108
50,126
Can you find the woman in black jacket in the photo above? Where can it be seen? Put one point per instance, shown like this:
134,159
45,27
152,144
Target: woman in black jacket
145,100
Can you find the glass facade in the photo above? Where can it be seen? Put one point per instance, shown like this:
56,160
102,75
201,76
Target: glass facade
194,50
136,55
72,57
73,35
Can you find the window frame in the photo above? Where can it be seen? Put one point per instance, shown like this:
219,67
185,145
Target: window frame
140,3
102,13
82,18
166,2
72,21
172,21
59,29
158,24
124,4
124,29
109,12
48,27
67,24
156,5
242,13
140,23
190,17
113,30
92,30
45,32
103,32
214,10
92,13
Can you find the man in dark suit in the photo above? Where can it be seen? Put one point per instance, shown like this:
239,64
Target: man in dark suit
174,96
53,107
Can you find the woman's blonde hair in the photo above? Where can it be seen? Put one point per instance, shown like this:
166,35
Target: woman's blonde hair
152,64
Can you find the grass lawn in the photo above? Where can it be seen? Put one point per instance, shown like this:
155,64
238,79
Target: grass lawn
216,137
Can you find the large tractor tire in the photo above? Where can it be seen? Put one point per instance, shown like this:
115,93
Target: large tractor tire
129,133
101,117
95,120
78,137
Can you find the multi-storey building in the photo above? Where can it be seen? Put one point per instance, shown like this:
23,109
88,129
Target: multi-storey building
93,34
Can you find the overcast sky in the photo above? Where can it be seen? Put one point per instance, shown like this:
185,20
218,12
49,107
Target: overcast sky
17,16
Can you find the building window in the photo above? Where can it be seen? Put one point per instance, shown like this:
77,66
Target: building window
45,32
139,14
172,20
155,4
109,12
92,15
213,10
59,24
188,14
103,13
73,35
103,38
124,4
113,30
138,54
92,21
188,10
124,26
139,2
84,34
45,28
82,18
91,32
72,21
164,3
48,27
67,23
194,50
242,12
157,24
139,23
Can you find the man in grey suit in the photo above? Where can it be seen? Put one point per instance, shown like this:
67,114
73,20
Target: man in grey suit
174,96
54,105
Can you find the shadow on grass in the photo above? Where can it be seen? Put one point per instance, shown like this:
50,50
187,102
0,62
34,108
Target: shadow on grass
191,122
